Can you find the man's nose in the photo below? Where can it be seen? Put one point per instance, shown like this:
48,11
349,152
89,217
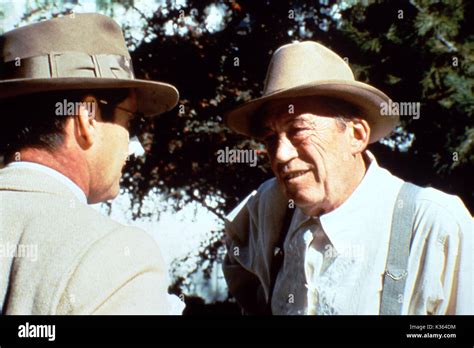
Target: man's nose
285,151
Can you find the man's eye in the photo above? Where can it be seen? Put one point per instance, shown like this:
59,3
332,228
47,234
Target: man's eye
296,131
269,138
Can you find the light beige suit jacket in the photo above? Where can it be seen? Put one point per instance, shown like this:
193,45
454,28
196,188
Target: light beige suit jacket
85,263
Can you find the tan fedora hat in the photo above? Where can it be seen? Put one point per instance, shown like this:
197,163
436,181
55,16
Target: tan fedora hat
80,51
310,69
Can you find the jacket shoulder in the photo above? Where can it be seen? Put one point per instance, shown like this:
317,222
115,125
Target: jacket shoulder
267,199
106,265
267,192
65,234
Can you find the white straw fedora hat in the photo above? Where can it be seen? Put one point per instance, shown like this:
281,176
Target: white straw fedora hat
310,69
80,51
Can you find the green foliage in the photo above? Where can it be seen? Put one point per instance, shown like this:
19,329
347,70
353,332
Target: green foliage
423,51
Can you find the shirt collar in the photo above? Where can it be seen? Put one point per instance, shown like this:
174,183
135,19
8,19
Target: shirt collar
55,174
339,224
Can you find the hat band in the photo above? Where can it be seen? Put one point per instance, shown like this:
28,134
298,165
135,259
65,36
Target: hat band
68,64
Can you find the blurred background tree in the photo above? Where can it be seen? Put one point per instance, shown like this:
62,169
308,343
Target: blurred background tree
216,53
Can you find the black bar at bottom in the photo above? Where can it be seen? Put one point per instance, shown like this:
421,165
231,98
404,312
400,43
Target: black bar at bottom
448,331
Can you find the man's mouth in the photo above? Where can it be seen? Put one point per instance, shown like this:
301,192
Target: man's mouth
294,174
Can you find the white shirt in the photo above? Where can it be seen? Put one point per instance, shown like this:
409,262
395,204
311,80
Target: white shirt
343,272
55,174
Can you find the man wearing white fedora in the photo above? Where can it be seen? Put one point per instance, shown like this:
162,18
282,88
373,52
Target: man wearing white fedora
333,232
70,102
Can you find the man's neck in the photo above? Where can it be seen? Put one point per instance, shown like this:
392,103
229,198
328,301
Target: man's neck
331,203
67,164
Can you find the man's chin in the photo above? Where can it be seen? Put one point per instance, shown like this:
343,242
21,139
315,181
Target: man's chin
105,196
303,200
113,194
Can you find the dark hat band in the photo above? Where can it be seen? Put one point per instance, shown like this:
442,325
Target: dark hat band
68,64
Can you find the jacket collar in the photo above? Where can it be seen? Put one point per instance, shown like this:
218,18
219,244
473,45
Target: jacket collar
26,179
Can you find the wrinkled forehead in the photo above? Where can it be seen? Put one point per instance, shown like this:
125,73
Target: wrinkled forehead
288,109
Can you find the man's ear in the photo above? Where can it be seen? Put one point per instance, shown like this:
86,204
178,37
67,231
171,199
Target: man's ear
360,135
85,122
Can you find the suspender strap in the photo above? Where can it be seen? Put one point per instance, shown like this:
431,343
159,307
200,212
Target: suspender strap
399,250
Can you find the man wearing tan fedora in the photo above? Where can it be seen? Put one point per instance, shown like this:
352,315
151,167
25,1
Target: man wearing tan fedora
333,232
70,102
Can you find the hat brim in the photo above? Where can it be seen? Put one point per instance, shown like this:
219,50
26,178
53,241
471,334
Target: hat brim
365,98
153,97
